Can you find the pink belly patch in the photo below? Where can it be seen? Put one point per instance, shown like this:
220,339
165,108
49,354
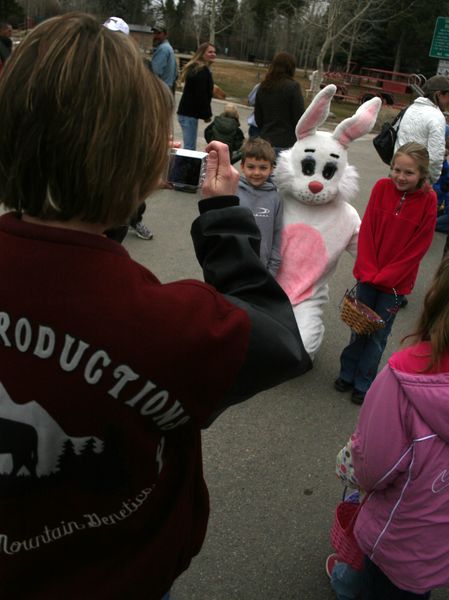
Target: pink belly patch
304,261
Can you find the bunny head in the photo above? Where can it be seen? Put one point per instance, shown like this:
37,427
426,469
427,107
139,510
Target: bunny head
316,171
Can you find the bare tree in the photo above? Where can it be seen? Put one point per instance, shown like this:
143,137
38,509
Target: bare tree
342,17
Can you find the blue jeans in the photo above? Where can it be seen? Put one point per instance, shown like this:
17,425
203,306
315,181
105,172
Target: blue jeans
189,126
253,131
360,359
442,224
346,582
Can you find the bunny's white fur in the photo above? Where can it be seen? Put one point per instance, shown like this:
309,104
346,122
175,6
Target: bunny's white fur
316,185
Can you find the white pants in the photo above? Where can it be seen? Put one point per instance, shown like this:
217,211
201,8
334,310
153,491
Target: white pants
308,317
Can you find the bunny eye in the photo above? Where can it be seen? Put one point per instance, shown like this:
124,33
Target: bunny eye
329,170
308,165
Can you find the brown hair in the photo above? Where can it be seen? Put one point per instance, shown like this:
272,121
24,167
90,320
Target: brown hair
197,61
85,125
282,67
420,155
258,149
433,323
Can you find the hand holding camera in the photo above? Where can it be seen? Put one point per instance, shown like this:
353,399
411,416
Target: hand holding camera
221,178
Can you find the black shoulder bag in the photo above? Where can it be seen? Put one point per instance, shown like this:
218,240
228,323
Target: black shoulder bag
384,141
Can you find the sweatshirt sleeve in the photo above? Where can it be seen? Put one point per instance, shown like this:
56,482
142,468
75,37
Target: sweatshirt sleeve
436,146
297,104
258,112
226,240
380,448
275,259
366,247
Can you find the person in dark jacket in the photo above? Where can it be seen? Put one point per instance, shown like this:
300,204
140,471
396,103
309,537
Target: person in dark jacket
122,371
5,43
226,128
197,94
279,103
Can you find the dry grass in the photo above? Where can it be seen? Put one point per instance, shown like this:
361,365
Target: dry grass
237,80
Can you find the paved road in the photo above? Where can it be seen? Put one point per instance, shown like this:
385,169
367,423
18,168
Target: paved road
269,463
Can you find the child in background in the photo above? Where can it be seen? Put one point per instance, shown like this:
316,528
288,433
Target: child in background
226,128
396,231
260,195
346,580
441,188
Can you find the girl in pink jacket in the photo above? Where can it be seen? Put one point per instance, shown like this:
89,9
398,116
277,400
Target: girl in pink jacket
400,453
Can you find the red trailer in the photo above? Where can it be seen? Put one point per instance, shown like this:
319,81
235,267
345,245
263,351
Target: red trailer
394,88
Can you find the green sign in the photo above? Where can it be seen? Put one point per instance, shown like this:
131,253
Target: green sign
440,41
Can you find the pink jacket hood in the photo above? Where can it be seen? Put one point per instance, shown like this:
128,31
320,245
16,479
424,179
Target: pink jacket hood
427,392
401,457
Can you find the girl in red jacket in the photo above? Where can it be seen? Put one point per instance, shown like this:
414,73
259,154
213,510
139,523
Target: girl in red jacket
395,233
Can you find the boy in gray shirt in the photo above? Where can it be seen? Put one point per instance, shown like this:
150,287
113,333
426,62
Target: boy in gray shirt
258,193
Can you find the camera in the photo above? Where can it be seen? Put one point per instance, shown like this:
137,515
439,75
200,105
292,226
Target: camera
186,169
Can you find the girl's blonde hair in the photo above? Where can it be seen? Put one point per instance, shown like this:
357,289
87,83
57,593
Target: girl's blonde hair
433,323
230,110
419,154
197,61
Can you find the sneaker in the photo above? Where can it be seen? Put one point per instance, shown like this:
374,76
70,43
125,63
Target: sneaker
357,397
143,232
342,386
330,563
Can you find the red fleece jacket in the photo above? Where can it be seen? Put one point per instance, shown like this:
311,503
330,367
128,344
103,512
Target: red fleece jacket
396,231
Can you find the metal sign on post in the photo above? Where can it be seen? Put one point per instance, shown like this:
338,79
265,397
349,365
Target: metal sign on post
443,68
440,41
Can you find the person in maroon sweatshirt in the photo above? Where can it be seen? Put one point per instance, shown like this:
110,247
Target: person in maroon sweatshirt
106,375
396,231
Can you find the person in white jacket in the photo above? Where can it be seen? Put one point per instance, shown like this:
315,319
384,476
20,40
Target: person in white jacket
424,122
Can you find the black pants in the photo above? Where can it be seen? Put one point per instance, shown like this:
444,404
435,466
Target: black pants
119,233
137,216
377,586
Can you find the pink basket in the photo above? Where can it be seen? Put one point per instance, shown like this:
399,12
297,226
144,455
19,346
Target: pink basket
342,535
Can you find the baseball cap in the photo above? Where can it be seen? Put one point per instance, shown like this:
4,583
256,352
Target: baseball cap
437,83
117,24
158,28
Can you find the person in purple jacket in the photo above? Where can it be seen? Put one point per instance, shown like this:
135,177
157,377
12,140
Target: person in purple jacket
400,454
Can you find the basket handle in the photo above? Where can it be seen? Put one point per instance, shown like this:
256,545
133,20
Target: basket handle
357,511
349,293
394,310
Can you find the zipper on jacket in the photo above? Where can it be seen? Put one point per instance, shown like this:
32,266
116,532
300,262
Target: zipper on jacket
401,202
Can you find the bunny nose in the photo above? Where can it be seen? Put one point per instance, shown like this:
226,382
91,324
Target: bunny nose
315,187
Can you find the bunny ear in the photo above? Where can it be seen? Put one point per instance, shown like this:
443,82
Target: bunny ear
360,123
316,113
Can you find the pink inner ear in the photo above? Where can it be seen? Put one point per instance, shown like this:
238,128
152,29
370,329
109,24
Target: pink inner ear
359,127
310,121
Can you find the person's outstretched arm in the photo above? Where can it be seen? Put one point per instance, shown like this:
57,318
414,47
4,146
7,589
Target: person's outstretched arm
226,240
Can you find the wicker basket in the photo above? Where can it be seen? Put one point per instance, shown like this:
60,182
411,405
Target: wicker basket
342,535
362,319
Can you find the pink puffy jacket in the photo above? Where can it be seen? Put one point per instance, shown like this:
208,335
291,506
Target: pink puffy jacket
401,457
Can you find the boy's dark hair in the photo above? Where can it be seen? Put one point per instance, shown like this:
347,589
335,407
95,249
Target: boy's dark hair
85,125
259,149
